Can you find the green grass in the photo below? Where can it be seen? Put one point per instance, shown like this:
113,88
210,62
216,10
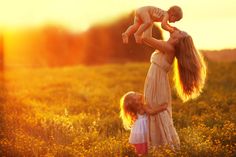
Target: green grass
74,111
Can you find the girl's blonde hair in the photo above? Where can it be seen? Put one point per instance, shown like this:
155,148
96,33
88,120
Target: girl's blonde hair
189,69
128,109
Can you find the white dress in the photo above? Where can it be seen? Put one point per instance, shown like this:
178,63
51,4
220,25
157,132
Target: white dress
161,130
138,132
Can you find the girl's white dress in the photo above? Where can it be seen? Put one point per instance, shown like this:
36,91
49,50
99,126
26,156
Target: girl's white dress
138,132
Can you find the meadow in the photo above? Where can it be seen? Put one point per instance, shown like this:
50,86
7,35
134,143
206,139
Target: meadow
74,111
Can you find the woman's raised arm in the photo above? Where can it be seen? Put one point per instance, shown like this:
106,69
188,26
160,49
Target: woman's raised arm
160,45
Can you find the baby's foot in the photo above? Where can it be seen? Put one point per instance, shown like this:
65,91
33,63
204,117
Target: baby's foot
125,38
138,38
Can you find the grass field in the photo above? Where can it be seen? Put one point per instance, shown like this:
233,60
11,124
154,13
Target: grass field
74,111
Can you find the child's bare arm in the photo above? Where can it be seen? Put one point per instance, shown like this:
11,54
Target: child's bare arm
153,111
165,25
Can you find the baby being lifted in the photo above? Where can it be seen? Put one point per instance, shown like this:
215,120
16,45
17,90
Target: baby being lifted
144,18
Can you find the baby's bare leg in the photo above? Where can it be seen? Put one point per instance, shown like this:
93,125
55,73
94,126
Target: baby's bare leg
147,22
131,29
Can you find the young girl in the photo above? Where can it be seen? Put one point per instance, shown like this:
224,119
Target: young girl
132,113
145,16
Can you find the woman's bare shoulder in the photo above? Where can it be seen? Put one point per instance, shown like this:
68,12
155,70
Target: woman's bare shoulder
167,48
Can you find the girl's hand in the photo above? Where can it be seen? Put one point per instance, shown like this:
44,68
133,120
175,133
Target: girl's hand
152,111
163,107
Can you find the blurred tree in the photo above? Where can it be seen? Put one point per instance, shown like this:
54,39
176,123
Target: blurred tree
104,44
54,45
2,86
1,53
61,47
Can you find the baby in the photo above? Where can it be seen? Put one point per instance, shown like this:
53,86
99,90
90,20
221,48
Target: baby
144,18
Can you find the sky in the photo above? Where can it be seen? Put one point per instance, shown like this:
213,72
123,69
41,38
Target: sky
211,23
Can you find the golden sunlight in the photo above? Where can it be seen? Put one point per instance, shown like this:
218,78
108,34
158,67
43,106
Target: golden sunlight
204,23
64,68
75,14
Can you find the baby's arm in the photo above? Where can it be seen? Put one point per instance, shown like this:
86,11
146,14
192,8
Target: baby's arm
165,25
153,111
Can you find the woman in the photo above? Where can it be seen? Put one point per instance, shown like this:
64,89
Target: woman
190,72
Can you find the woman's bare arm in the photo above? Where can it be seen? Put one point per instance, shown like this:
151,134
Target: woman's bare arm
153,111
160,45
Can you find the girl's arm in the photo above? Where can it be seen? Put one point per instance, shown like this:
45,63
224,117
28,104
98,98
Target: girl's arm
165,25
153,111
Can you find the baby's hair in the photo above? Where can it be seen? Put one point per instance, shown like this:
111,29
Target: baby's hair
128,109
176,11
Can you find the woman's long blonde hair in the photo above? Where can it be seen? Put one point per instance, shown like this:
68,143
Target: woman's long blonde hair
128,109
189,69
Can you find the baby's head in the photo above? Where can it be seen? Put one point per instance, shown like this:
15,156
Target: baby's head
175,13
130,104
